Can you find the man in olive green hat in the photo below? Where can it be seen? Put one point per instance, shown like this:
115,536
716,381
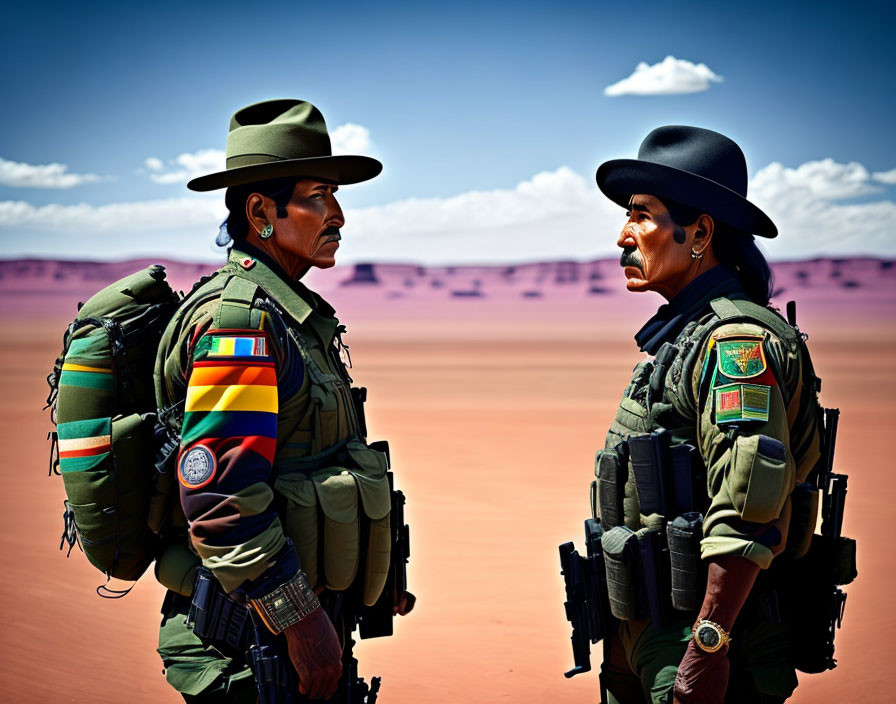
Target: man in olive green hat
717,426
283,500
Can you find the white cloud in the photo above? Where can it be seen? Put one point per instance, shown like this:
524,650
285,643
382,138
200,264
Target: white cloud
888,177
556,214
805,205
350,139
185,166
670,76
346,139
825,179
22,175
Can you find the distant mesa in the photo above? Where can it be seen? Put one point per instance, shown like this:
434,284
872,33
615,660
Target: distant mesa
532,294
362,275
566,273
475,292
849,283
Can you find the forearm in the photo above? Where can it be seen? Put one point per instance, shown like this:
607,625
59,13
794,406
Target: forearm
729,582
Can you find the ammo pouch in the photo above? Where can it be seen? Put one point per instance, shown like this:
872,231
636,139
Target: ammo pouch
683,536
337,514
636,572
611,470
669,478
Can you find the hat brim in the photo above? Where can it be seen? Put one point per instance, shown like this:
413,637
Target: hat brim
341,169
619,179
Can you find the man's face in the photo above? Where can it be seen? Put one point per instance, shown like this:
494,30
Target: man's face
656,252
310,230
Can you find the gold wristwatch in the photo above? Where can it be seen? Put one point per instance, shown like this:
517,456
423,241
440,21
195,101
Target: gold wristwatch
709,636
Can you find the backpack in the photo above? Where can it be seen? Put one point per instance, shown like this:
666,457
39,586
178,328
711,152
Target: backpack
107,445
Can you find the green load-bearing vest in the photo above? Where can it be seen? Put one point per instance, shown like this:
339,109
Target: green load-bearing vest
331,494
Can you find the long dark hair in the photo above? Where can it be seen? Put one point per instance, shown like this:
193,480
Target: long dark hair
235,227
735,249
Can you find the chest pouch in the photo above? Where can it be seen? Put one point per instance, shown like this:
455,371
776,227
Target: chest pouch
337,514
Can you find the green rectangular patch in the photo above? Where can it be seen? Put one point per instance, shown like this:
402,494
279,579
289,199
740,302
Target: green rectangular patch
91,380
90,428
741,402
92,345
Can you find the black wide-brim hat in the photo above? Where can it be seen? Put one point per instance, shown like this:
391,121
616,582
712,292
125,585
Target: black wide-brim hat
279,139
698,168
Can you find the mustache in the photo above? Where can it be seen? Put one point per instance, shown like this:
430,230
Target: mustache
631,257
331,233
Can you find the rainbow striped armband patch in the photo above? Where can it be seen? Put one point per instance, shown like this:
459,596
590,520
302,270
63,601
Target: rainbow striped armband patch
231,396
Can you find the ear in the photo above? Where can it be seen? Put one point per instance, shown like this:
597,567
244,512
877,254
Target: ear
704,228
256,207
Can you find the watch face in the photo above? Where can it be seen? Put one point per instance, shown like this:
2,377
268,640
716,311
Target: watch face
708,637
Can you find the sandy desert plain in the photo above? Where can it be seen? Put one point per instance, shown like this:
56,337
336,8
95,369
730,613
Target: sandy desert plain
494,387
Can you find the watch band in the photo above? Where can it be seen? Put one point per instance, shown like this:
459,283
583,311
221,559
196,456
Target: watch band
709,636
287,604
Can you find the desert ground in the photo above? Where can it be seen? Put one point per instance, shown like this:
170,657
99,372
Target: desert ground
494,403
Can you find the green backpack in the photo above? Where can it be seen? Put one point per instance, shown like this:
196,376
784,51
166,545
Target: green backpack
106,445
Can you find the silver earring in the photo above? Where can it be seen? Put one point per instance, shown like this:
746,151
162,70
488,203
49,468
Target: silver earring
696,255
266,231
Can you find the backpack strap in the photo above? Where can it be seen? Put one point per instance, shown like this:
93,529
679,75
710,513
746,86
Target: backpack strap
730,310
235,310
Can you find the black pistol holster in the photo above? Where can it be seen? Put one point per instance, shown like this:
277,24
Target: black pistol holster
232,628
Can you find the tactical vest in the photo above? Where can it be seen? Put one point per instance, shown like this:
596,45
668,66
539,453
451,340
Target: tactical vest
661,397
331,486
650,477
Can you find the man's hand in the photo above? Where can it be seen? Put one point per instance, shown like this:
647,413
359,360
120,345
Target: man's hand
403,603
315,654
702,677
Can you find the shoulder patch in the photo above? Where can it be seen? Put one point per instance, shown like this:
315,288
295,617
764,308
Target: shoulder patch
233,345
734,403
742,358
197,467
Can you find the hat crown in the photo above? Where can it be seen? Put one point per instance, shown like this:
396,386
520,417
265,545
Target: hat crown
276,130
698,151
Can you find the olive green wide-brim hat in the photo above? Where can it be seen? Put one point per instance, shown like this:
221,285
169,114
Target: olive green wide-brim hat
279,139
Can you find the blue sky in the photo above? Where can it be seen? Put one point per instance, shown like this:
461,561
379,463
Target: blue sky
490,118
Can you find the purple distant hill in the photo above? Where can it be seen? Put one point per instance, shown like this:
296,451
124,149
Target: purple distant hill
847,280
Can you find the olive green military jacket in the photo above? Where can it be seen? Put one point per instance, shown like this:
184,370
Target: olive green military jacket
274,470
737,384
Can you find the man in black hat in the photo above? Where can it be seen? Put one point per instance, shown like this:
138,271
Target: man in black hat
721,394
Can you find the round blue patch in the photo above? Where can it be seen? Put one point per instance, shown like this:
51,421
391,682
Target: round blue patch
197,467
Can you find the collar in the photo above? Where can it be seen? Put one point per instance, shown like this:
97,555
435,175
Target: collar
300,302
691,301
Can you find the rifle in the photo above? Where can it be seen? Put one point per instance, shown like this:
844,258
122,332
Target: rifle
587,605
829,564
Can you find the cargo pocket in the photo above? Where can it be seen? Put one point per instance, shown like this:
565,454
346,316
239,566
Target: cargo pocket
302,521
324,515
761,479
376,499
